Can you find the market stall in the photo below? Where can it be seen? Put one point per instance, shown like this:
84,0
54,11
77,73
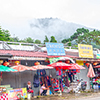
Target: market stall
3,88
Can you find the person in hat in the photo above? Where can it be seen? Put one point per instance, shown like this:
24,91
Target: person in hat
29,88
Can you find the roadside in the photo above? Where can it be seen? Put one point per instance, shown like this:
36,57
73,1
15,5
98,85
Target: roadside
70,96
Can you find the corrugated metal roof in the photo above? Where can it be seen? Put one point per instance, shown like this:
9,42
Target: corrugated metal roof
30,54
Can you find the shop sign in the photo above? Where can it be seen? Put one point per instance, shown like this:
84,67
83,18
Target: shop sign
80,62
85,51
98,56
14,94
55,49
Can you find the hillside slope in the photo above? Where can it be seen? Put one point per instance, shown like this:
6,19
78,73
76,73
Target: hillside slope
53,27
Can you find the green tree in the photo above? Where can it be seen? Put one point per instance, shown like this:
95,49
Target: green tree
69,44
1,34
46,39
37,41
63,41
66,40
4,35
22,40
29,40
89,38
53,39
79,32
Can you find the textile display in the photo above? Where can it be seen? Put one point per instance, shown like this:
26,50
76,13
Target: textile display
36,81
4,96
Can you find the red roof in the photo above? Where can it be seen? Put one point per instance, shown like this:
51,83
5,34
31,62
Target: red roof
22,53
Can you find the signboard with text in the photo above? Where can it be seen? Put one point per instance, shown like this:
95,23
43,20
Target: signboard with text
79,62
85,51
55,49
15,93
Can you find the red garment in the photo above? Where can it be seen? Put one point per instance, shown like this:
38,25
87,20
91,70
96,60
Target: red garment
59,72
30,91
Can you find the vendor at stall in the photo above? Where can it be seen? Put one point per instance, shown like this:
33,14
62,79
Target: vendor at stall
29,88
43,90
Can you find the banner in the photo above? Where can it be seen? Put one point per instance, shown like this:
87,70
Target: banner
85,51
14,94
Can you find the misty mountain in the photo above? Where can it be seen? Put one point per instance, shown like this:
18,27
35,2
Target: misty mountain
53,27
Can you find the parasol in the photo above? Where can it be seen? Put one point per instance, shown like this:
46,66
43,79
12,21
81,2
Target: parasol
98,66
76,66
91,72
20,68
66,58
53,60
41,67
60,65
6,69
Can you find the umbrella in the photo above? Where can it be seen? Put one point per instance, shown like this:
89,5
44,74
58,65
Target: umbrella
32,68
91,72
98,66
76,66
20,68
6,69
66,58
53,60
60,65
41,67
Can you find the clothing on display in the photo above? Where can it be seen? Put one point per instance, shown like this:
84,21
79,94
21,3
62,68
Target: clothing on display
36,81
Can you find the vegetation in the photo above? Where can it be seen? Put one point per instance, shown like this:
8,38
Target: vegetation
46,39
4,35
79,32
81,36
37,41
53,39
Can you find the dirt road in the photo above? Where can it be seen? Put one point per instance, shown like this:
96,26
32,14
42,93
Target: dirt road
81,96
